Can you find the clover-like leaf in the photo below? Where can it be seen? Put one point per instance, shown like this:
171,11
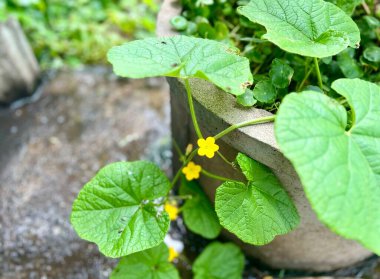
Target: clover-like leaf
265,92
372,54
117,208
339,167
183,57
152,263
198,213
247,99
258,211
312,28
218,260
280,74
348,65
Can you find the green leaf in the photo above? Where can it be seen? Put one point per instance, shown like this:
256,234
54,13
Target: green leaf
219,261
258,211
192,28
222,30
264,92
183,57
339,169
372,54
152,263
312,28
179,23
349,66
372,22
198,213
116,209
204,2
346,5
206,31
247,99
280,73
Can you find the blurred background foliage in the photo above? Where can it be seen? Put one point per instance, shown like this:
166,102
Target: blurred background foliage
76,32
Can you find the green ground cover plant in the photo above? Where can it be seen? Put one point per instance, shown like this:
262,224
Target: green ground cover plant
73,33
276,68
326,125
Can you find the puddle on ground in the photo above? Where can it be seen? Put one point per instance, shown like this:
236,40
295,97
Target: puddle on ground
49,148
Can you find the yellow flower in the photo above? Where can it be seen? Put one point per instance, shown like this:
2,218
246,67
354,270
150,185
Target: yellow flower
207,147
191,171
172,210
173,254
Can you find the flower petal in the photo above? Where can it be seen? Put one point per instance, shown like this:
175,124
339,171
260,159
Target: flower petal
210,154
201,143
210,140
202,151
215,147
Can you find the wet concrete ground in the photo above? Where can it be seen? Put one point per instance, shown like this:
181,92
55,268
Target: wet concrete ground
50,148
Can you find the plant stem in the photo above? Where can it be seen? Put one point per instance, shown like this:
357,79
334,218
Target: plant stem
244,124
192,111
224,158
178,174
182,156
366,8
302,84
217,177
47,14
318,71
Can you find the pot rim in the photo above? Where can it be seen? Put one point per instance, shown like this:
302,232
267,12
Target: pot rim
224,107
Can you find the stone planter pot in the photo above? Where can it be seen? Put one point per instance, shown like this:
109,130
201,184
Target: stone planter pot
19,70
311,246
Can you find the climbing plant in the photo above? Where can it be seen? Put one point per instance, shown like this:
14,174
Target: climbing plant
332,140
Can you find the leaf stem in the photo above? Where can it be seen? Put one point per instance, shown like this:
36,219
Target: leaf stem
318,72
224,158
182,156
302,84
192,111
217,177
244,124
366,8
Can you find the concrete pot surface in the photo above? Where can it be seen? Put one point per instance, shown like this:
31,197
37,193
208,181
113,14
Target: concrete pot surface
311,246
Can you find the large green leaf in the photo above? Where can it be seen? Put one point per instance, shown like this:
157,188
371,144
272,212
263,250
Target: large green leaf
198,212
258,211
312,28
183,57
339,168
346,5
149,264
219,261
116,209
